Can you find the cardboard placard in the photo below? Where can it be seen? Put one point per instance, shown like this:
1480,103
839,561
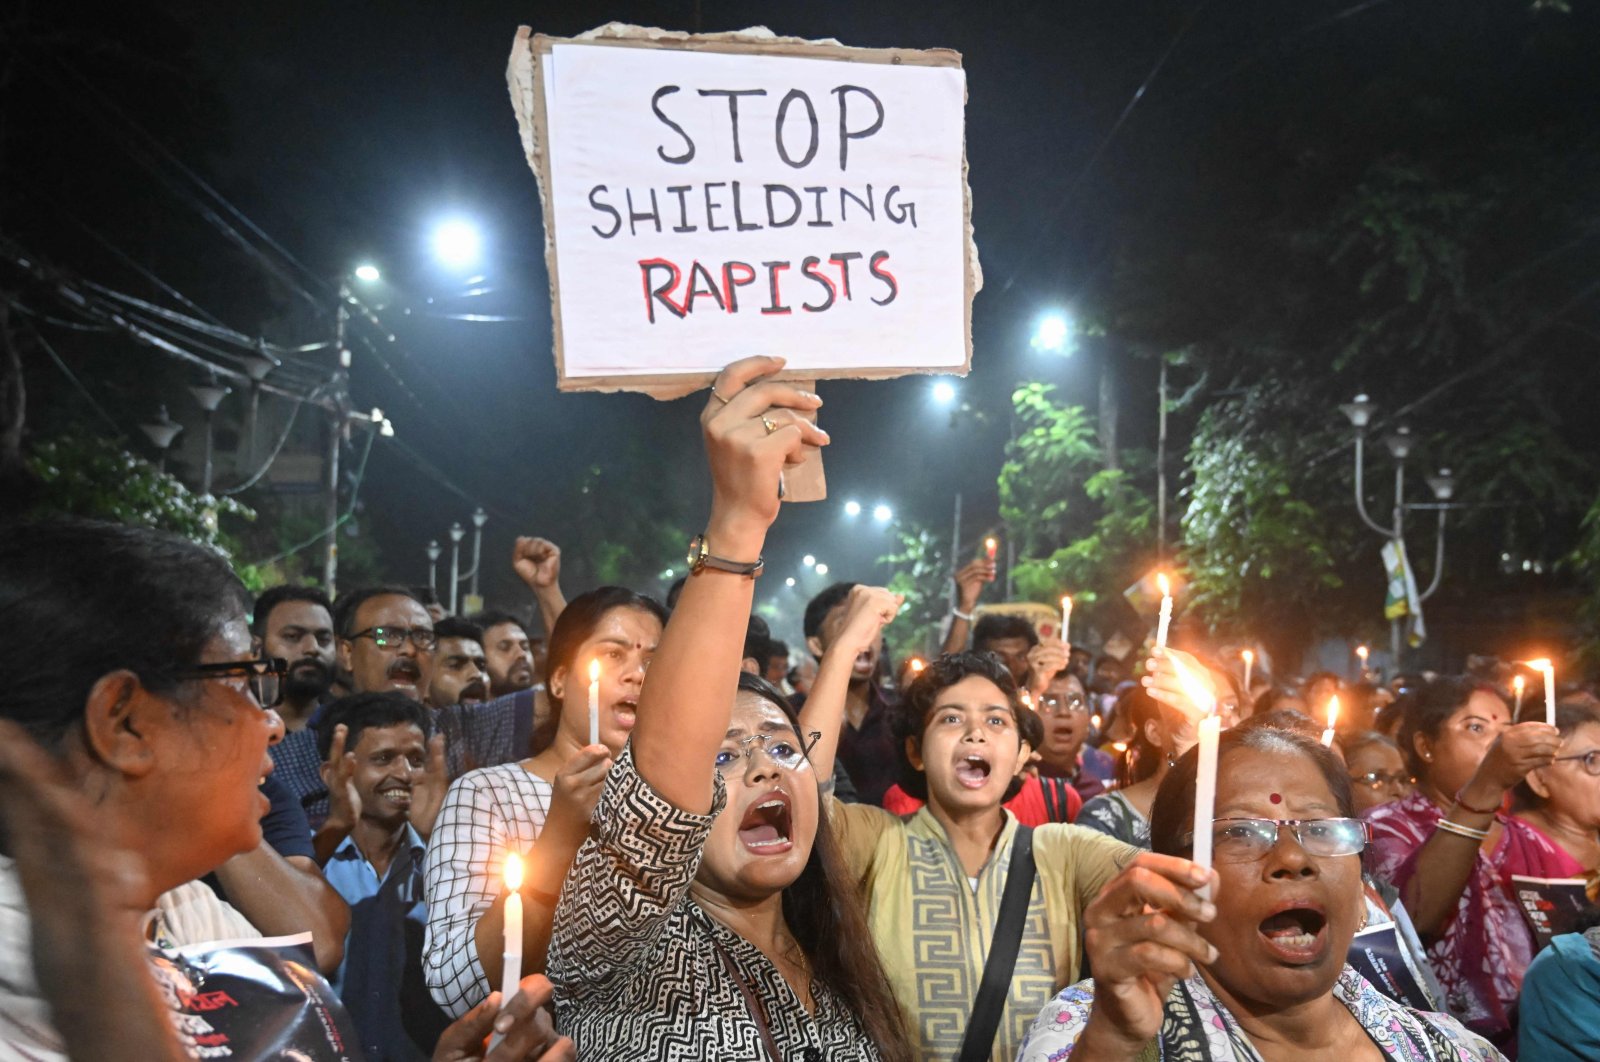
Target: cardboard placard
708,197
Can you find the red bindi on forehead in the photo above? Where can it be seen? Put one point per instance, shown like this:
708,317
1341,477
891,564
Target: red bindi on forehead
1276,798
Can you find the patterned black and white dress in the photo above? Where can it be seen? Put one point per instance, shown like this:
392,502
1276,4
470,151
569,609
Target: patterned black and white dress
641,971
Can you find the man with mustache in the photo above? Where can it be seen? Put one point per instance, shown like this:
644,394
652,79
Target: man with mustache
460,669
296,624
507,652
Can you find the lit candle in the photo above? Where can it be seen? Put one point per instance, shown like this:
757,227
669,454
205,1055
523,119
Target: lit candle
917,665
1205,781
1066,617
1361,654
1094,721
1333,717
991,546
1518,684
1166,610
1549,670
511,937
594,702
1249,662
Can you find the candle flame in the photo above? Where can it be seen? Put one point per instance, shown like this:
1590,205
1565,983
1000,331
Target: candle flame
1541,664
1027,699
1518,682
1361,651
1120,746
917,665
513,872
1066,600
594,670
990,546
1161,581
1194,689
1248,656
1094,721
1333,710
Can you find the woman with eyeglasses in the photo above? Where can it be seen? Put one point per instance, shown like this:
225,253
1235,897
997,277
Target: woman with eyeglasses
136,720
1378,772
1256,971
1451,850
1562,801
1065,752
707,914
538,807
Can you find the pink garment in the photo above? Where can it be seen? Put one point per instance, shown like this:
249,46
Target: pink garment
1486,947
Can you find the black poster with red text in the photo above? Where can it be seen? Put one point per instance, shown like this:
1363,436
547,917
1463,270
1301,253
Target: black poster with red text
256,999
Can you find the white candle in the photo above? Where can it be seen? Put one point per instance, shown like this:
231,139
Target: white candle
991,546
1249,662
1333,717
511,937
1166,610
1549,671
1205,794
594,702
1066,618
1517,685
1361,654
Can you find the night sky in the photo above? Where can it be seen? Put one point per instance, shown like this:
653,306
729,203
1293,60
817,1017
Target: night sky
350,129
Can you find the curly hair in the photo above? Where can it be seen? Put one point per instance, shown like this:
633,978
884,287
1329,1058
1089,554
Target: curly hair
909,721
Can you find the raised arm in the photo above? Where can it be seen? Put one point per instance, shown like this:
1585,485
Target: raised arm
867,610
969,584
752,428
537,562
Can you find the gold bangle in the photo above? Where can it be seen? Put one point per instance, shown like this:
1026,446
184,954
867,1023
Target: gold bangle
1463,831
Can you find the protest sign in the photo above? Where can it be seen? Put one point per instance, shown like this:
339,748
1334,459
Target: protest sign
709,197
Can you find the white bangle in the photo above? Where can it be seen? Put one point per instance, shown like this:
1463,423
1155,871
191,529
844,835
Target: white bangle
958,614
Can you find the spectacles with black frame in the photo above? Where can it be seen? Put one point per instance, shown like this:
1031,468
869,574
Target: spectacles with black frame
263,676
424,638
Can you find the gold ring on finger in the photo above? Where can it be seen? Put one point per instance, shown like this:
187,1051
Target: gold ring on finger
718,397
770,424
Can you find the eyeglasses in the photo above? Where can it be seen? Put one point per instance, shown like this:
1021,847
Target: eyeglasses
1591,761
264,677
1247,840
782,749
1054,704
393,637
1377,779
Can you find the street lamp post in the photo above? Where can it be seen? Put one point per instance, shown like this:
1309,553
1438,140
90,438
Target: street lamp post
257,366
456,533
161,433
479,518
433,566
1399,443
209,396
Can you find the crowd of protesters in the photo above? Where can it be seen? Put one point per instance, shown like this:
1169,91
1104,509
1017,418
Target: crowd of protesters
735,850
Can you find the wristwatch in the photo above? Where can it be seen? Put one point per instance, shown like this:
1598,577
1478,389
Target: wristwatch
700,557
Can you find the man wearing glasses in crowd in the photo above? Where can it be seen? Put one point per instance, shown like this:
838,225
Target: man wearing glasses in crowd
387,644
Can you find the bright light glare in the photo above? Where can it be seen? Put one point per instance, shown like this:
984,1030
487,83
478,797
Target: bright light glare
822,569
852,508
809,561
457,243
368,272
944,392
1052,333
882,513
789,581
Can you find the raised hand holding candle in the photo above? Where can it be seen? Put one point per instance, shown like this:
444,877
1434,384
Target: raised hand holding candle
511,936
1333,717
1518,685
594,702
1166,610
1066,617
991,546
1549,670
1249,662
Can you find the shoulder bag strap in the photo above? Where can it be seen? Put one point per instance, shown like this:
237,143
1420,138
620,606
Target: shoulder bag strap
978,1042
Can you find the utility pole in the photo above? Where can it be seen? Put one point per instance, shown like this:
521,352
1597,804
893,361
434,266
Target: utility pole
479,518
456,533
1161,466
340,398
433,566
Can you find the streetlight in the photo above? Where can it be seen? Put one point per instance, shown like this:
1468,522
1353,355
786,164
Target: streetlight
368,273
944,392
852,508
433,566
161,434
809,561
456,533
479,518
822,569
1052,334
789,581
209,396
1400,445
457,243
